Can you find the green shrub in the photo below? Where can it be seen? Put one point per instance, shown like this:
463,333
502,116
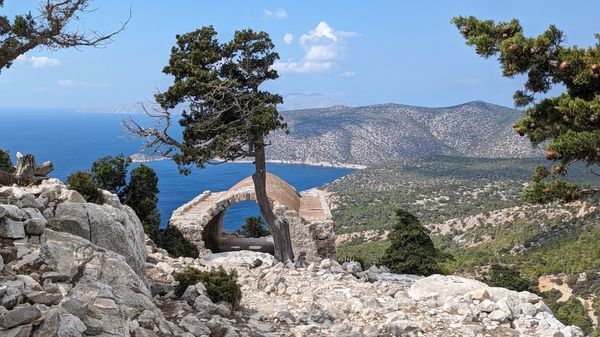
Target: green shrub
349,258
83,182
6,164
110,172
551,295
506,277
572,280
411,250
173,241
572,312
141,194
220,285
254,228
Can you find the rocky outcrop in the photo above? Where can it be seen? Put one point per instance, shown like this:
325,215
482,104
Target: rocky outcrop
329,299
26,211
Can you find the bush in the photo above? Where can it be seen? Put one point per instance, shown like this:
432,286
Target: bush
353,258
411,250
220,285
83,182
141,194
110,172
173,241
254,228
506,277
6,164
572,312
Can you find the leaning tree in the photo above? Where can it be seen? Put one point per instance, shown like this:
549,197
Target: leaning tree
567,124
225,113
53,26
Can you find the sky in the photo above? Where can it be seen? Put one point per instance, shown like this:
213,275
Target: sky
331,52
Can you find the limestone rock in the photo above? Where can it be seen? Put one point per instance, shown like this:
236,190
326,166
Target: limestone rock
119,230
72,196
11,229
35,226
19,316
19,331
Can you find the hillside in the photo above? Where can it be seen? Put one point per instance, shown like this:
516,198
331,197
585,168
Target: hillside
380,133
473,208
61,276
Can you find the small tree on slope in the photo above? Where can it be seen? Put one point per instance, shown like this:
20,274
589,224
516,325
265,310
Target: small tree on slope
226,113
411,250
568,124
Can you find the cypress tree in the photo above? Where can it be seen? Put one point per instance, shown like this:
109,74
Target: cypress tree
411,250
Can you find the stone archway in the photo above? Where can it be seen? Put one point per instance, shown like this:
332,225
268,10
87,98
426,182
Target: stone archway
307,212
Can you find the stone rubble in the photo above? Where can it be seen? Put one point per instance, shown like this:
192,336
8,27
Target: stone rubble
60,277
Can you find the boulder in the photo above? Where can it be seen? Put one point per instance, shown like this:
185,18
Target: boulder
13,212
106,292
19,316
443,287
35,226
119,230
19,331
72,196
11,229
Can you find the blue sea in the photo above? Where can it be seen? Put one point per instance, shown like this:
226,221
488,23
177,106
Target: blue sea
73,140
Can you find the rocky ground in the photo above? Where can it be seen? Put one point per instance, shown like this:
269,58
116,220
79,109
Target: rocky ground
59,276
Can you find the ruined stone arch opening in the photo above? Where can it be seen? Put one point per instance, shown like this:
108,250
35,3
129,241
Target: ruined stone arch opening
307,213
219,239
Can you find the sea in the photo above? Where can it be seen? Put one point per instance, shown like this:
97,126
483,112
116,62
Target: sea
73,140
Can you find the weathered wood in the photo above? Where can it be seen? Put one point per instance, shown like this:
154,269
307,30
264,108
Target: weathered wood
27,172
279,228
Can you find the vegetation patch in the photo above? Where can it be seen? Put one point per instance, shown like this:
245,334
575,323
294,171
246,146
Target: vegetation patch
83,182
221,285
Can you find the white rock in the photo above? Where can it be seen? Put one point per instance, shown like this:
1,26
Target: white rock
325,264
11,229
498,316
72,196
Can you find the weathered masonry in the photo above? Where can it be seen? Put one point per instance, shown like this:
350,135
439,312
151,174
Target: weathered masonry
307,212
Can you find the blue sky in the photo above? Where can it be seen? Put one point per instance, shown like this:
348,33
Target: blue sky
346,52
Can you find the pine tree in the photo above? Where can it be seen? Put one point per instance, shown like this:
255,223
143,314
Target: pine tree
567,124
6,164
141,194
411,250
227,115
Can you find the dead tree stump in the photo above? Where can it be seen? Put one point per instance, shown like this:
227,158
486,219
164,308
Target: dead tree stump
27,172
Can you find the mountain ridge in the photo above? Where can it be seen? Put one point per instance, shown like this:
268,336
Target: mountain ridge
380,133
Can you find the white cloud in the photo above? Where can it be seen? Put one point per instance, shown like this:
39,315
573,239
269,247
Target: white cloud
323,49
72,83
37,61
346,74
278,14
288,38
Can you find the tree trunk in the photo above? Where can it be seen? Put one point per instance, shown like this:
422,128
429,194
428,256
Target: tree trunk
27,172
279,228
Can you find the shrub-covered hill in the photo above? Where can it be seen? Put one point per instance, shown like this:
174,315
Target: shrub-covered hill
474,210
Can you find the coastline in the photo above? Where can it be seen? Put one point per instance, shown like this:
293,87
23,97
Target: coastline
140,159
309,163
